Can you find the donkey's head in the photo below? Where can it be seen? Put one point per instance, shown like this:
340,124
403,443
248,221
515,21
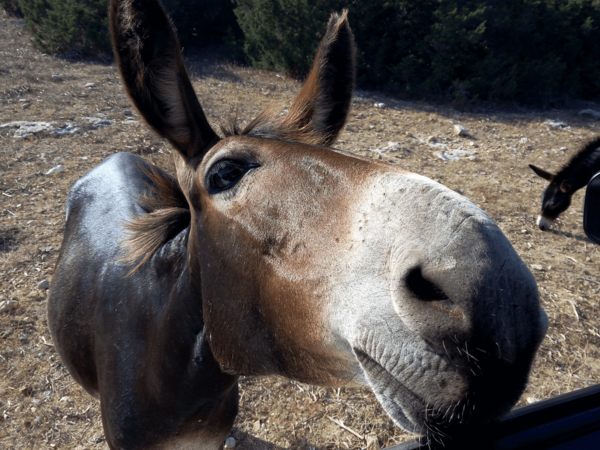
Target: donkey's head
328,268
556,198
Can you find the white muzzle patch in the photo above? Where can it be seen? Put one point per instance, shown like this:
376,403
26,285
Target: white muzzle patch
543,223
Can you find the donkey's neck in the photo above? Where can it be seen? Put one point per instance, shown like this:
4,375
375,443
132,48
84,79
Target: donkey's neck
582,166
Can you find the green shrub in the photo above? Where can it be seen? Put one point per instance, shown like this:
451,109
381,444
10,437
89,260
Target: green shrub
203,21
67,25
541,51
11,7
82,25
281,35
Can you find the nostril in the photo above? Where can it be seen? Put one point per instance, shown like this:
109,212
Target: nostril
423,288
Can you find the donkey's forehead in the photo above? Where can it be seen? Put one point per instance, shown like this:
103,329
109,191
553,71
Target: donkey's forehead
286,153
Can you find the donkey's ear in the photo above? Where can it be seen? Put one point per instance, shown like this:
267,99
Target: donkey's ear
149,58
565,186
322,105
542,173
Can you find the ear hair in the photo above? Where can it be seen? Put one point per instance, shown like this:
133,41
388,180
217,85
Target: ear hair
542,173
149,58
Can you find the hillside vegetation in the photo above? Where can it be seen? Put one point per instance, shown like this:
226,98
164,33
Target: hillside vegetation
545,52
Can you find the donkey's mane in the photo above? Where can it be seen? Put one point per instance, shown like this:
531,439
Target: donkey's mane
583,154
270,125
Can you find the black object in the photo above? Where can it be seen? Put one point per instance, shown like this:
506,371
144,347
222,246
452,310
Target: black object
565,422
591,209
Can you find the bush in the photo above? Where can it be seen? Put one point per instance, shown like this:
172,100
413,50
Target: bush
11,7
203,21
82,25
281,35
541,51
66,25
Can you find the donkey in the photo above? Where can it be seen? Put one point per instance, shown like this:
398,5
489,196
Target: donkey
270,253
574,175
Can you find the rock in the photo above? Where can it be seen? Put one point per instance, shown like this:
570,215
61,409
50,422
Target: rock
24,129
256,427
537,267
44,284
531,400
55,170
373,442
97,122
57,77
453,155
7,306
409,134
431,139
25,105
127,113
379,105
556,124
459,130
590,112
230,442
391,147
371,127
90,85
350,128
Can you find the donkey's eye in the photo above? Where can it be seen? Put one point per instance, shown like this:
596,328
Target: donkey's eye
226,174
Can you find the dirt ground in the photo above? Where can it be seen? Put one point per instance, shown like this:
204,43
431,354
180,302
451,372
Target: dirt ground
40,404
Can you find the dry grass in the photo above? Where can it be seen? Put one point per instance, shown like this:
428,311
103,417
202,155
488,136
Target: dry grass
42,407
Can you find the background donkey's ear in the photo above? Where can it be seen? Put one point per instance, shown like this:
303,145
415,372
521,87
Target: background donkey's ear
149,58
322,106
542,173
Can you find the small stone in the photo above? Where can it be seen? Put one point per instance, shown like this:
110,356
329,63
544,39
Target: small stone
44,284
7,306
127,113
373,442
379,105
459,130
371,127
256,427
37,420
90,85
22,337
230,442
473,144
57,77
55,170
409,134
531,400
524,230
350,128
537,267
25,105
431,139
556,124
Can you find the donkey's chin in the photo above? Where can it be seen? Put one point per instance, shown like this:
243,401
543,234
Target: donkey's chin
544,223
409,410
447,411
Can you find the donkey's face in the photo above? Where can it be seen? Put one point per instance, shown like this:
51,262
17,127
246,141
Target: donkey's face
332,269
556,198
